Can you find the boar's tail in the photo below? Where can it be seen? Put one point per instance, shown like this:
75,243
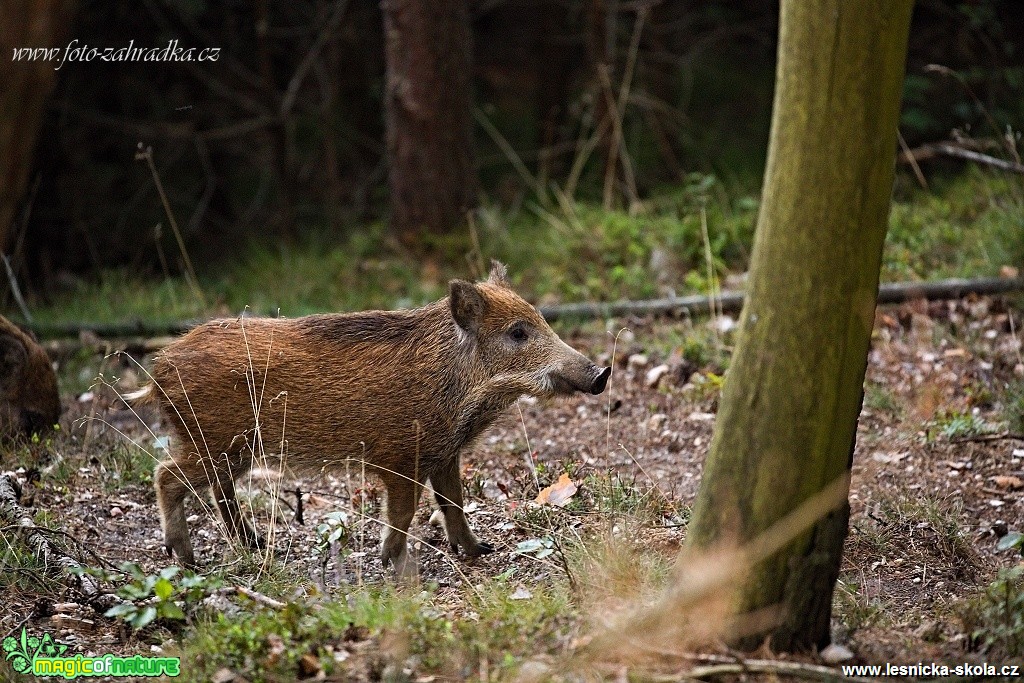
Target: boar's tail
139,396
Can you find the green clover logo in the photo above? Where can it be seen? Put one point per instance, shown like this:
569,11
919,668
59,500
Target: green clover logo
21,652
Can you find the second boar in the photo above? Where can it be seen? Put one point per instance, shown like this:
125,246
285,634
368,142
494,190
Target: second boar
29,400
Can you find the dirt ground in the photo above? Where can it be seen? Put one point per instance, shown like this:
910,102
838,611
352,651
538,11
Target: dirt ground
930,496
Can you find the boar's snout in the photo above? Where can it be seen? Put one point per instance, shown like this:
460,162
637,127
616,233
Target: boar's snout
600,380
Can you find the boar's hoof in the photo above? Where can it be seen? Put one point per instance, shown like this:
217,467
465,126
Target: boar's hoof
186,562
482,548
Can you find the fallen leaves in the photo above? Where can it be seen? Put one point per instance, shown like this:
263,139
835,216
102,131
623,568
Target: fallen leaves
559,493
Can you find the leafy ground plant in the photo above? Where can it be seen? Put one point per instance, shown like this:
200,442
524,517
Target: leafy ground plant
146,598
996,617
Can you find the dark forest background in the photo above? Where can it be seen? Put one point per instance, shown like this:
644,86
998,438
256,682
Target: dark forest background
284,136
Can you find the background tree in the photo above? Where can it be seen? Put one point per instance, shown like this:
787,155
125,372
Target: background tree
24,92
789,411
428,117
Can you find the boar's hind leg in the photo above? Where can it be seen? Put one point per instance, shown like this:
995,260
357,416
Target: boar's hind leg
173,482
448,492
223,489
403,495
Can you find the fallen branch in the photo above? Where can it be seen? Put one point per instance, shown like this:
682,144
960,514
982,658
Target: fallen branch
978,438
14,514
143,332
932,150
255,596
732,302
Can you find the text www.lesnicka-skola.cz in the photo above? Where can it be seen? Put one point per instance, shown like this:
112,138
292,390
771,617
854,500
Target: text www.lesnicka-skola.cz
75,51
932,670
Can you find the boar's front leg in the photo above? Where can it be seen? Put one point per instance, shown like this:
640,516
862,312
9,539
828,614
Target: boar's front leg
448,492
403,496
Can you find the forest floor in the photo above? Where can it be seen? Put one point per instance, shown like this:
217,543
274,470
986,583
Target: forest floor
937,480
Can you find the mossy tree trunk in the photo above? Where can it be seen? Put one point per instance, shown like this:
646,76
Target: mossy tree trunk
788,415
24,91
429,123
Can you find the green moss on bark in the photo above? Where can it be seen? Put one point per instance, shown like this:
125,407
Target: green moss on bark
789,410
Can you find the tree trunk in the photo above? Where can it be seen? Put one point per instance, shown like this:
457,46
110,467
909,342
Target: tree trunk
788,415
25,87
429,122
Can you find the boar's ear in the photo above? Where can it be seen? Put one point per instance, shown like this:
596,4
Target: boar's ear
467,304
13,356
499,273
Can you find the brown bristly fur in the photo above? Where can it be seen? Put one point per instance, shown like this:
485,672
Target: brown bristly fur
403,391
29,400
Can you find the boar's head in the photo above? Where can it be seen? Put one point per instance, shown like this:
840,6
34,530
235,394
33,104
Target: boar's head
514,344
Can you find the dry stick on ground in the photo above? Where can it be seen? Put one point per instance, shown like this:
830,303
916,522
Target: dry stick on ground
732,302
933,150
255,596
1005,436
13,513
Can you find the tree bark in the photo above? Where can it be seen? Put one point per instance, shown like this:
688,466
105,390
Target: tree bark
429,122
24,90
789,410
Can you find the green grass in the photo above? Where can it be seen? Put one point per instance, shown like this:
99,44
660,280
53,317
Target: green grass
1013,406
880,398
970,225
854,609
382,631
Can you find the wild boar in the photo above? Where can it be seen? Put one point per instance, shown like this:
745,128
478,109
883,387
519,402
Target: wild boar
403,392
29,400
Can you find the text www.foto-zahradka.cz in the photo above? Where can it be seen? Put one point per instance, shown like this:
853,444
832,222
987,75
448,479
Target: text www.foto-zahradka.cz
76,51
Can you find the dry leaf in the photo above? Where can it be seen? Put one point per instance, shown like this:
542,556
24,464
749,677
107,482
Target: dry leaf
559,493
1007,482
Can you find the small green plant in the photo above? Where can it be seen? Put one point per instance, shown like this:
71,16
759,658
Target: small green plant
1013,540
334,528
125,464
956,424
996,618
707,386
536,547
148,597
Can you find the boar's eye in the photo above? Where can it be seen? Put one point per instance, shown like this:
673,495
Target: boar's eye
518,333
